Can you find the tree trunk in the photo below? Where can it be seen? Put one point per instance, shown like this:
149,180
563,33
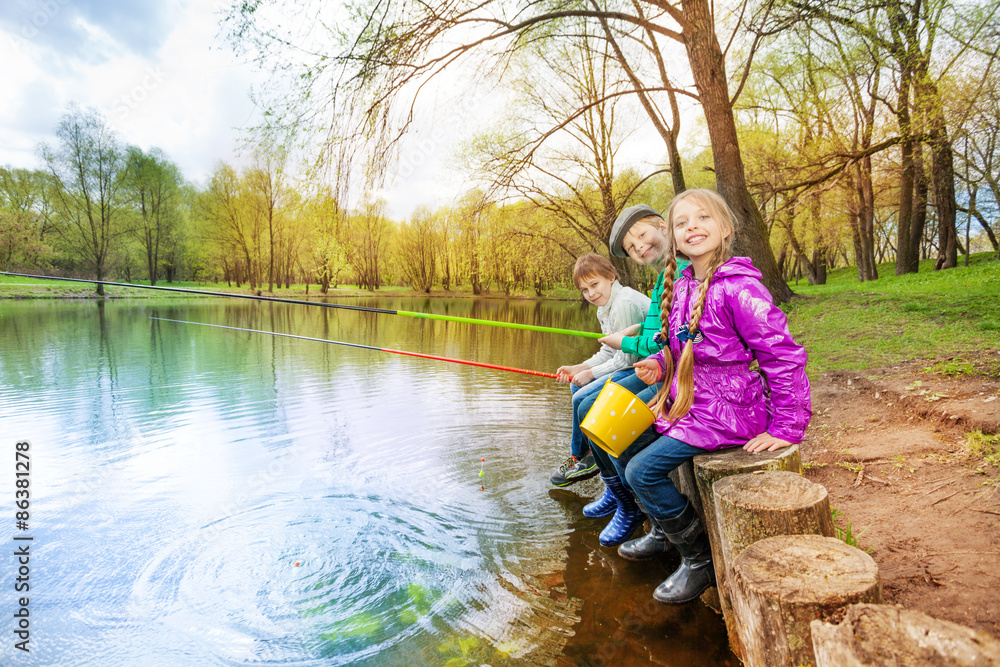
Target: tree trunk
781,584
859,251
819,251
942,170
919,206
886,635
800,254
710,468
867,218
986,228
906,260
708,68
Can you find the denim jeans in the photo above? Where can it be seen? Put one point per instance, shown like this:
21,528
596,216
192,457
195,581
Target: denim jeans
579,444
646,470
645,392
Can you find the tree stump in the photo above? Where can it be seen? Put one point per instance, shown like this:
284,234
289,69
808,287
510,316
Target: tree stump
876,635
749,508
708,469
781,584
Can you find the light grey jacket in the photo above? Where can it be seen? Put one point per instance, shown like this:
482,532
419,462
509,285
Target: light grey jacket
625,308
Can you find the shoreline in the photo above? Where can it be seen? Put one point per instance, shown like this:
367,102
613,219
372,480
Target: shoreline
25,291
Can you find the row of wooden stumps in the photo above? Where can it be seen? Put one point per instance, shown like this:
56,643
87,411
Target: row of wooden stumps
793,594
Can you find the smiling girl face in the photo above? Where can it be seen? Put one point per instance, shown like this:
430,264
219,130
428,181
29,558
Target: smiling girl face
697,232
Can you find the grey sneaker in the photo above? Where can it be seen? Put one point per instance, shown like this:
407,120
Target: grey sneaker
574,470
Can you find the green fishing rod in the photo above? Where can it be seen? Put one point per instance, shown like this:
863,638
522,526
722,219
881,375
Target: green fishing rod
323,304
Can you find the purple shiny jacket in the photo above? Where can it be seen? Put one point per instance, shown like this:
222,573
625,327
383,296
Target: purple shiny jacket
733,404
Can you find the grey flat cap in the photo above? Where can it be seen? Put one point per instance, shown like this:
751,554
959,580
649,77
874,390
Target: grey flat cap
624,222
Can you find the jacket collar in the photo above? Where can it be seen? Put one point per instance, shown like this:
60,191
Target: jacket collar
734,266
616,287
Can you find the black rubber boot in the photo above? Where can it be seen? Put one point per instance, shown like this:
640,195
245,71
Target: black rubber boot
696,572
650,545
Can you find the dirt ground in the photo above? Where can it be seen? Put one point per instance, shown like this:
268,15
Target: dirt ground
890,447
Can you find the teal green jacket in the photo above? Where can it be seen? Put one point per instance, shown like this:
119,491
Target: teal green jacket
643,345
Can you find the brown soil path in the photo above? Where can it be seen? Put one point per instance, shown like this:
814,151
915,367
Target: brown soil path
890,447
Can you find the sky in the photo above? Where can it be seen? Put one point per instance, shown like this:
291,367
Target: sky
163,75
156,69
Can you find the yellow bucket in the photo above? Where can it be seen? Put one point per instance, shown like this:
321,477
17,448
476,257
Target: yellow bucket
616,419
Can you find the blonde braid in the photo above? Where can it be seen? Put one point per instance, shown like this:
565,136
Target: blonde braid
658,404
685,367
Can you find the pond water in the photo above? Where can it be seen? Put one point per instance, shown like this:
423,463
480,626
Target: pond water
204,496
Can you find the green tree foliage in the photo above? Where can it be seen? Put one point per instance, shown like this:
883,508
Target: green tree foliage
27,222
367,238
89,167
324,224
154,188
419,249
235,227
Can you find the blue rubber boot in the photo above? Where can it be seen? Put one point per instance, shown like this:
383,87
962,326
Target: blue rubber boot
628,517
603,506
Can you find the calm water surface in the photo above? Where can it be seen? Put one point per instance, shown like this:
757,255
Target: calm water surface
212,497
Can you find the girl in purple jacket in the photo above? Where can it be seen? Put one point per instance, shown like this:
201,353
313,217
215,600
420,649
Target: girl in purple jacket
717,318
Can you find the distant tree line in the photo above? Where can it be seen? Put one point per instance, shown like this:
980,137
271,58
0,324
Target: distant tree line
109,211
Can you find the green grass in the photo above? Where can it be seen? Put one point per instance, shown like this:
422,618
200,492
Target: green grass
946,317
11,281
984,446
846,534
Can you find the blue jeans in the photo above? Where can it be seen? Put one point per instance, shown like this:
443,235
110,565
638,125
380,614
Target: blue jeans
579,444
630,381
646,469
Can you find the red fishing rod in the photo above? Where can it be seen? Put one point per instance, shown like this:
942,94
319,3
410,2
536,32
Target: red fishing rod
366,347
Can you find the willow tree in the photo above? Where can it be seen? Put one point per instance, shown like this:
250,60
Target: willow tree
236,225
267,188
367,240
385,53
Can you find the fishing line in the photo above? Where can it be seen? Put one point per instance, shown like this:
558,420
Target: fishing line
323,304
365,347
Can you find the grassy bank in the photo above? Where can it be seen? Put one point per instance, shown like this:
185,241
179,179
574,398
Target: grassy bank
951,319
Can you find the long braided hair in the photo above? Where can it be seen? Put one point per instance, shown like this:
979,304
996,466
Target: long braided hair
717,207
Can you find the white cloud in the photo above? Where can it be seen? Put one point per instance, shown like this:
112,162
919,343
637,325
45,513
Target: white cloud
157,71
